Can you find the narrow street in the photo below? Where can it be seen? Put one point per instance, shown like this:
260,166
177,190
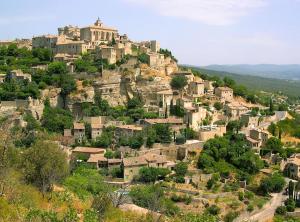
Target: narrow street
266,213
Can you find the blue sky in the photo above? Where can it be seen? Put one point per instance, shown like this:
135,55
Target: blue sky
199,32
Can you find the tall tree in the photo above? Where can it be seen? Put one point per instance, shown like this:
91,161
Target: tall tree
44,164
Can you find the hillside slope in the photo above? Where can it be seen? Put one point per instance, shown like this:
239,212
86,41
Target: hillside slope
288,87
289,72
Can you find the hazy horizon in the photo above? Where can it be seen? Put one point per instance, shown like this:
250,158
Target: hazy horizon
199,32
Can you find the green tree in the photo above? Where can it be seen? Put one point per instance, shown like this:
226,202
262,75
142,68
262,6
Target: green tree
57,68
178,82
273,144
44,164
274,183
181,169
163,133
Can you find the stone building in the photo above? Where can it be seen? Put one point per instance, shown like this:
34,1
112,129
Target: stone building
19,75
235,110
79,131
154,46
107,52
71,32
47,41
164,98
260,135
194,116
210,132
71,47
96,130
132,165
250,121
127,130
188,74
292,167
224,93
98,33
196,87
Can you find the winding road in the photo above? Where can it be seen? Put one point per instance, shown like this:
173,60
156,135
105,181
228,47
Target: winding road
266,213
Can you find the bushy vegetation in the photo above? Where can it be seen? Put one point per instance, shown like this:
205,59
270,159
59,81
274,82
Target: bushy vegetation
227,154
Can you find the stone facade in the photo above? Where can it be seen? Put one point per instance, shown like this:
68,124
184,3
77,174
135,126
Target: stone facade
210,132
224,93
98,33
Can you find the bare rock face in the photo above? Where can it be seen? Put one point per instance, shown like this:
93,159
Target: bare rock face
85,94
109,86
53,94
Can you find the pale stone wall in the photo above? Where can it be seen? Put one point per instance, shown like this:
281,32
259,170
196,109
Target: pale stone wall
210,134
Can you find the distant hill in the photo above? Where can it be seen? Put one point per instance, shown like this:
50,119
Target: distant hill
289,72
288,87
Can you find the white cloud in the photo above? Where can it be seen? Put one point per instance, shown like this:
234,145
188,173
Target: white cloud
24,19
213,12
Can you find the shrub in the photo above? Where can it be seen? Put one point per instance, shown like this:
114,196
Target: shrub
229,217
213,210
250,208
241,196
281,210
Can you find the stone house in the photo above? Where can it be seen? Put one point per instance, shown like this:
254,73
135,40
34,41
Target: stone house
194,116
210,132
78,131
132,165
96,130
47,41
99,161
224,93
71,32
188,74
208,86
196,87
107,52
127,130
87,152
175,123
249,121
19,75
292,167
71,47
260,135
235,110
164,98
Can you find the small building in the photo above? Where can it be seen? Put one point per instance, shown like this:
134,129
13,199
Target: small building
79,131
127,130
235,110
260,135
107,52
210,132
19,75
175,123
193,116
292,167
96,130
88,152
132,165
197,87
188,74
71,47
164,98
224,93
249,120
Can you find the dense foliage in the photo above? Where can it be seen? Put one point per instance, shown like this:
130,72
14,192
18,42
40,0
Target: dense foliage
229,152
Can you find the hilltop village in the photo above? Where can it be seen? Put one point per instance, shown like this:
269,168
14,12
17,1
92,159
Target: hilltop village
89,107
